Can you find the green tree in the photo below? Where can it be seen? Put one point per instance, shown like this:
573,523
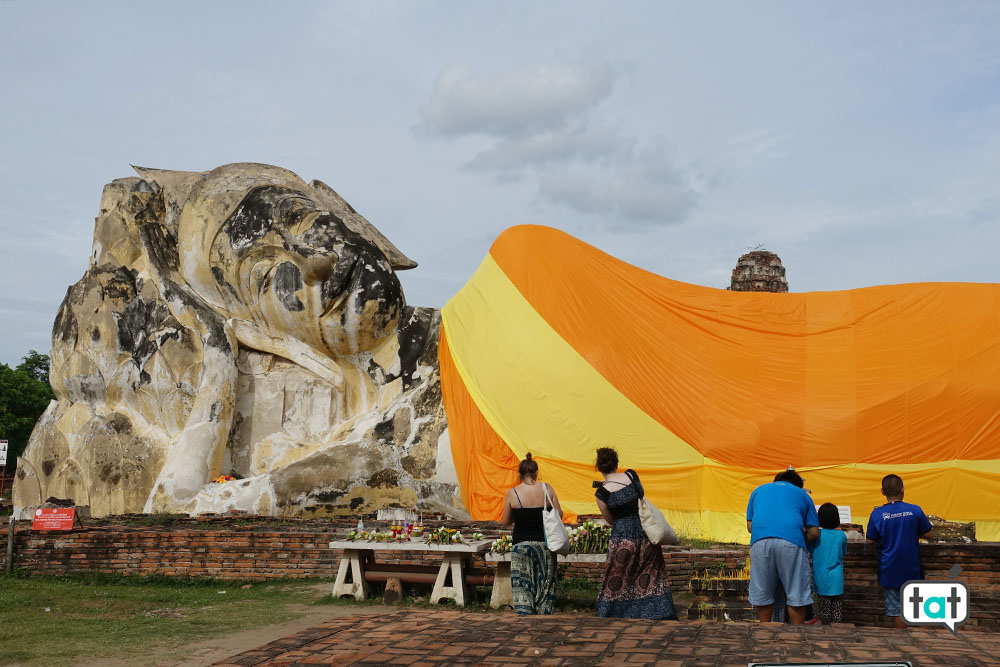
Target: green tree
36,365
24,395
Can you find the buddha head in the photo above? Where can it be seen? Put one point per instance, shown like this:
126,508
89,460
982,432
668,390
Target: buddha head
293,259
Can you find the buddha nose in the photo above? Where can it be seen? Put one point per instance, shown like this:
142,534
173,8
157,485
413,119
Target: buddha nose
317,268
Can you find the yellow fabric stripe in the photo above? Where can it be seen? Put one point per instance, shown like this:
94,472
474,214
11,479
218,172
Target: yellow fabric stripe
536,391
714,487
730,527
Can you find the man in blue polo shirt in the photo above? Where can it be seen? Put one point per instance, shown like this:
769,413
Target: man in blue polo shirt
898,526
781,518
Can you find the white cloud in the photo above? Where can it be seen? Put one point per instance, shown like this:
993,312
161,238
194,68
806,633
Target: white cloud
639,190
574,142
541,122
514,102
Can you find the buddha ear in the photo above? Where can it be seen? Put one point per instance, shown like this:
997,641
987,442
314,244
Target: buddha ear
252,336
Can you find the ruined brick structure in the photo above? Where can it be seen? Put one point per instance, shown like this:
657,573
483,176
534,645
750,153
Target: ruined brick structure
759,271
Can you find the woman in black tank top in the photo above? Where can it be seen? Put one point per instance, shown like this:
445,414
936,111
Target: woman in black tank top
532,565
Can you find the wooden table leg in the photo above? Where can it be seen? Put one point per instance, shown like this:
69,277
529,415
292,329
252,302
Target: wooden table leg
352,563
502,595
452,564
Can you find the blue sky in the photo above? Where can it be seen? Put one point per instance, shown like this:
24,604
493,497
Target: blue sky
859,141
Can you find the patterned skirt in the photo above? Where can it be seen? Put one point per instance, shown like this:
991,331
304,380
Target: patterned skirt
533,578
635,582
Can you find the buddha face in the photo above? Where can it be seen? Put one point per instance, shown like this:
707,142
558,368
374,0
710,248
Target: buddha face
297,270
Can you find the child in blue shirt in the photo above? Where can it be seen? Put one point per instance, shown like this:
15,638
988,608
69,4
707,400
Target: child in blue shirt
828,552
898,526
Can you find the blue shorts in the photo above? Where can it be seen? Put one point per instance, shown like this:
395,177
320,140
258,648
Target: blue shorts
774,560
891,601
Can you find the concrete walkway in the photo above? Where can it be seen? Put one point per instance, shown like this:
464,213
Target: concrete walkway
428,637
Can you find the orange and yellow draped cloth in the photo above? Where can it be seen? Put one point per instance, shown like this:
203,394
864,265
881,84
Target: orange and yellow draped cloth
556,348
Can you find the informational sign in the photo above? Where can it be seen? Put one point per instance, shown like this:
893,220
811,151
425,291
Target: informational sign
3,452
845,513
56,518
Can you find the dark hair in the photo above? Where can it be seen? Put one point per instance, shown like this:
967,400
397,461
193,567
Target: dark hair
892,485
607,460
829,516
791,477
528,467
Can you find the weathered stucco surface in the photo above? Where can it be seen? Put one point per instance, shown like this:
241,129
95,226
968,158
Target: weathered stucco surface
240,321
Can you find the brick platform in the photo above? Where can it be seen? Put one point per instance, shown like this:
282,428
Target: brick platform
449,637
257,548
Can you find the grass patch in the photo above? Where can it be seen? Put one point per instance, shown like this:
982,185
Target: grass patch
62,620
695,543
577,594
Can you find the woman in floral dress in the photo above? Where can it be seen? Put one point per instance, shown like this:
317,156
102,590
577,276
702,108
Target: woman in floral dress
635,581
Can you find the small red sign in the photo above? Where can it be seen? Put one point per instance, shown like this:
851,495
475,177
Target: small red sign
57,518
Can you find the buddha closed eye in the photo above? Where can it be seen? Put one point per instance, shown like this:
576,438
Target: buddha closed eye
298,270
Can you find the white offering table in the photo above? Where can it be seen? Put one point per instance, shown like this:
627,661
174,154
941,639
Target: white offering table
360,554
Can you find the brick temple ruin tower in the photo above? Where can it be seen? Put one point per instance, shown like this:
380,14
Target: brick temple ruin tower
759,271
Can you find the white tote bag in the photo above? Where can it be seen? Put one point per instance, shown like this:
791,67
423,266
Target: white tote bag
556,537
654,524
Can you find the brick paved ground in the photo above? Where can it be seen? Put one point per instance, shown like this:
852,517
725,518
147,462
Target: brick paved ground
425,637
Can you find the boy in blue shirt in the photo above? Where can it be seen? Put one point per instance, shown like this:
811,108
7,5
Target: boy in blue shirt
828,553
781,518
898,526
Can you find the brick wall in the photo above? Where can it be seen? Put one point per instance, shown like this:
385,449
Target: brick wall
219,547
980,564
222,548
863,603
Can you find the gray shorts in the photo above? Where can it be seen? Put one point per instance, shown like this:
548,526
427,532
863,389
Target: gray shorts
773,559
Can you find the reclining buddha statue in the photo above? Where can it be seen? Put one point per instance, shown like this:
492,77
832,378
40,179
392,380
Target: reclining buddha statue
240,322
